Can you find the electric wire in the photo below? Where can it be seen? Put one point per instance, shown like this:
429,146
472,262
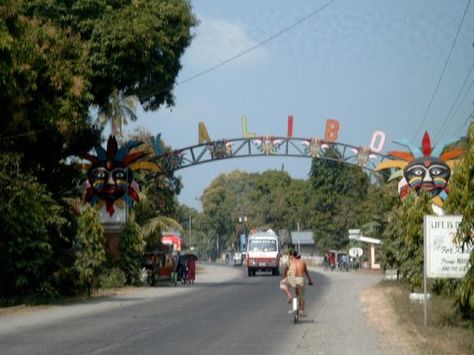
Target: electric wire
259,44
450,116
228,60
442,72
25,134
459,130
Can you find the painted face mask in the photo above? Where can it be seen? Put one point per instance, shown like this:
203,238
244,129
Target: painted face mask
110,184
110,177
427,174
423,169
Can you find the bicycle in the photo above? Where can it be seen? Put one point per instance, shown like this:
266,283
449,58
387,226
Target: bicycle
295,309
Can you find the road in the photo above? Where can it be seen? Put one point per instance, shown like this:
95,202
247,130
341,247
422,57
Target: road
225,312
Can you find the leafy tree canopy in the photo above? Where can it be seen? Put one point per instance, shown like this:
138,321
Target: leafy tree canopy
338,194
59,58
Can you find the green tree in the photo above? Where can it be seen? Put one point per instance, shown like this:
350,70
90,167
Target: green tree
29,217
461,200
338,192
59,59
118,111
404,239
89,249
132,246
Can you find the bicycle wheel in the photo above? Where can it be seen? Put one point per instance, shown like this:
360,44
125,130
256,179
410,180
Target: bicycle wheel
296,316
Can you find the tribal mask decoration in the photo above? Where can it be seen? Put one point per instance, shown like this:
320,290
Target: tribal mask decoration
267,144
427,169
110,175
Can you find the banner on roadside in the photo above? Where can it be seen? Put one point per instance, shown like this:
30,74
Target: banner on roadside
444,258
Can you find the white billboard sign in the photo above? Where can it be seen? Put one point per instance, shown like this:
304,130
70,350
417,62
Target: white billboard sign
444,258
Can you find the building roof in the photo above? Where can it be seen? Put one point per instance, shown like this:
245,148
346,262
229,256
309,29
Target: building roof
302,238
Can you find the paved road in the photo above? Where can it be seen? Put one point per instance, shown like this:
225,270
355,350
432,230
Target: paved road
225,312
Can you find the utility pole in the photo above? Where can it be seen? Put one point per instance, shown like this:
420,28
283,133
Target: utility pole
190,229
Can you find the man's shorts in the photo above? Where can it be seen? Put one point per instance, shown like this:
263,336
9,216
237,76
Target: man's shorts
294,282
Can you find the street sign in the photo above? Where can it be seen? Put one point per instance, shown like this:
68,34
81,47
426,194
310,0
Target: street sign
354,231
444,258
355,252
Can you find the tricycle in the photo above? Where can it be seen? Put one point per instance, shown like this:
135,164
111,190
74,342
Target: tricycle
160,267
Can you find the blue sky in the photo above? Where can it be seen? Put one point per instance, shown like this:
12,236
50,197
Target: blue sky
370,64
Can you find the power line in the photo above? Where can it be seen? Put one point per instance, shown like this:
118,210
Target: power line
25,134
442,72
471,115
228,60
259,44
447,120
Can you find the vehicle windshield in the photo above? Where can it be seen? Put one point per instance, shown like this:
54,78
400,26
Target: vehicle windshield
262,245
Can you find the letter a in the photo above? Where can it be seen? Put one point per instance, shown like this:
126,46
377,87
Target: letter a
203,135
245,133
332,130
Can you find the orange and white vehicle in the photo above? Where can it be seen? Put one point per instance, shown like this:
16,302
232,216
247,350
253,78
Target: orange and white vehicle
263,253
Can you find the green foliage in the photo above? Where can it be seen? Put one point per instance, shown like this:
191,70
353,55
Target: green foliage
59,59
118,111
132,246
113,278
403,239
338,192
465,292
89,249
461,201
29,218
269,200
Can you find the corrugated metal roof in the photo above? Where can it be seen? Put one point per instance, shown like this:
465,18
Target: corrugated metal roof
302,238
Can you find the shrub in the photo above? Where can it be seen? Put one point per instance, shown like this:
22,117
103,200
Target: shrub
89,250
132,247
113,278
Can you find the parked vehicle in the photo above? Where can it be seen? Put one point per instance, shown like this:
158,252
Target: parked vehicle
160,266
263,253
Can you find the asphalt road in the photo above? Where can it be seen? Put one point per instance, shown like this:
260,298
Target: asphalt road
225,312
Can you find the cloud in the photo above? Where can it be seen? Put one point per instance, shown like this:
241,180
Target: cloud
217,39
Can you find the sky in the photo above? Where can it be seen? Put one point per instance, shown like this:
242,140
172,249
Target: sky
371,64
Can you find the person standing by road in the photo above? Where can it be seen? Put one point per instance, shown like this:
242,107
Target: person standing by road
191,269
293,276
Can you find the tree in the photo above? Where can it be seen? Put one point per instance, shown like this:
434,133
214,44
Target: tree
461,200
132,246
29,217
132,46
60,59
90,249
404,239
119,109
338,191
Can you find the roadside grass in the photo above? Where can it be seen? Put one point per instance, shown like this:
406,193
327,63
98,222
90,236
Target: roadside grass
446,332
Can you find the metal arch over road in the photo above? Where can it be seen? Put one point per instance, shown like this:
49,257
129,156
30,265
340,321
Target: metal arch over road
269,146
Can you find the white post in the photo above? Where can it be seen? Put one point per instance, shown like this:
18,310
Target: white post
425,298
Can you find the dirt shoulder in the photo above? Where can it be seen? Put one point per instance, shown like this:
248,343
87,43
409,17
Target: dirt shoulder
382,316
388,310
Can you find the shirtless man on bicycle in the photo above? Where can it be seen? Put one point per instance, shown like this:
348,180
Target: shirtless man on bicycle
293,276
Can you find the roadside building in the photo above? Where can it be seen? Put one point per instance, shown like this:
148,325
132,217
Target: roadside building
304,243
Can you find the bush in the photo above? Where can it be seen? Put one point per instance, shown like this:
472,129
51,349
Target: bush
30,221
113,278
132,246
89,250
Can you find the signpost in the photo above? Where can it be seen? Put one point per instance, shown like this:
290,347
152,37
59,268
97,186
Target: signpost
443,258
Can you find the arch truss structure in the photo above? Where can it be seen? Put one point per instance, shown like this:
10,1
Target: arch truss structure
269,146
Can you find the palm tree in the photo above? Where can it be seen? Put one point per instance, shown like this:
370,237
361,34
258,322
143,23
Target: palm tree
118,111
151,227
